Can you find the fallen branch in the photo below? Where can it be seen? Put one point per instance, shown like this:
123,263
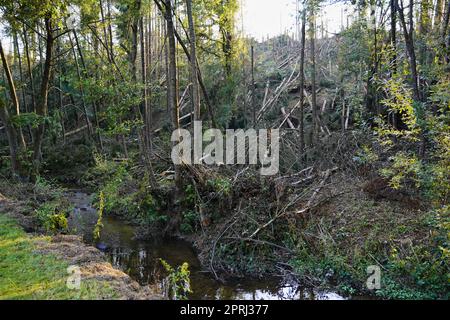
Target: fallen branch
261,242
71,133
308,206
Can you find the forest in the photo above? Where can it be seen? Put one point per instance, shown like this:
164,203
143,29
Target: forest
118,179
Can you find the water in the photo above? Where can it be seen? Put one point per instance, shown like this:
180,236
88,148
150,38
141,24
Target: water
140,259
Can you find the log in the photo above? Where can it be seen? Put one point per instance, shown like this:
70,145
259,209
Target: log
71,133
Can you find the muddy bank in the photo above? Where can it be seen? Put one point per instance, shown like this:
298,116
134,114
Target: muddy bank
93,265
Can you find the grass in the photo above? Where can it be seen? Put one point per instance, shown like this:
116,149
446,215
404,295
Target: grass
26,274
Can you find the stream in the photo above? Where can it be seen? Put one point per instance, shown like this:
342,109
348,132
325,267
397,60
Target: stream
140,260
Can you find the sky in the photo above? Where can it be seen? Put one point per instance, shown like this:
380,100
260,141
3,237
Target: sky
264,18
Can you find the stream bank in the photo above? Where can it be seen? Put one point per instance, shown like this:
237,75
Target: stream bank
140,259
36,266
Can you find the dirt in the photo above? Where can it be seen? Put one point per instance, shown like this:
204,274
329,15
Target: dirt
93,265
18,211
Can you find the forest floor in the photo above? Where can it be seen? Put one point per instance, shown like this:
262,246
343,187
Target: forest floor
35,266
323,225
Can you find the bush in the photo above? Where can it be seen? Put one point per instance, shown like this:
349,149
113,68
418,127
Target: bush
50,218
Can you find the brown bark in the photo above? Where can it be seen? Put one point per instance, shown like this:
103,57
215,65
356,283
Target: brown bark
200,78
12,92
42,103
302,82
193,63
147,111
11,135
253,86
172,78
409,42
29,69
312,26
445,40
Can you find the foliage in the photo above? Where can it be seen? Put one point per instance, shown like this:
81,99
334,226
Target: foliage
49,217
220,185
190,221
178,280
402,166
365,156
52,213
116,199
99,225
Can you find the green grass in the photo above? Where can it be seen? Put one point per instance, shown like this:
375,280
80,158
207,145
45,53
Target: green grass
25,274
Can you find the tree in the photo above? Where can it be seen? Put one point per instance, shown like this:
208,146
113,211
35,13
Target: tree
408,34
172,88
12,91
312,39
302,81
193,63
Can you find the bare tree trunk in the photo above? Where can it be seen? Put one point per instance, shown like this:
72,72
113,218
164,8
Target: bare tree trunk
11,134
83,101
393,7
12,92
200,79
371,97
438,14
409,42
22,81
193,63
312,32
19,58
302,82
147,111
253,85
445,40
42,107
29,69
132,54
172,78
85,73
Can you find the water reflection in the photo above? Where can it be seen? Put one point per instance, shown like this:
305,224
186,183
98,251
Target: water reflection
140,259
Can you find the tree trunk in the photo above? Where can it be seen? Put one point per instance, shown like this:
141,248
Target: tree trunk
29,69
193,64
83,101
312,25
172,78
147,111
12,92
394,34
11,135
409,42
393,9
302,82
445,40
42,107
200,78
253,86
85,73
438,14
